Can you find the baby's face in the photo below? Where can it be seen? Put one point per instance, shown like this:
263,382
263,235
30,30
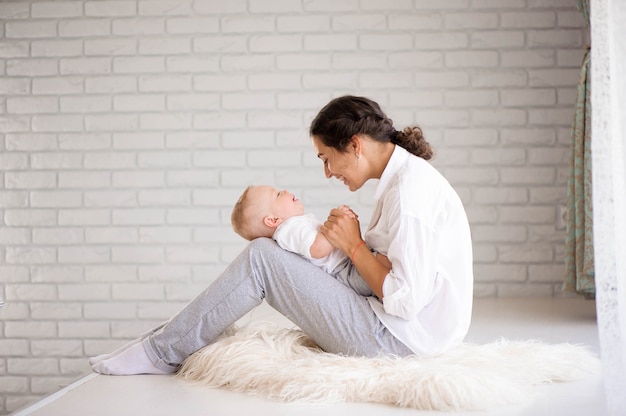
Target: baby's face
282,204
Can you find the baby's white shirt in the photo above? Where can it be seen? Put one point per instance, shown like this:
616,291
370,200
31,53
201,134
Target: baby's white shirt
297,234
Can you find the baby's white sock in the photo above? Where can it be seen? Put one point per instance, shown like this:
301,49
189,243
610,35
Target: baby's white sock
95,360
132,360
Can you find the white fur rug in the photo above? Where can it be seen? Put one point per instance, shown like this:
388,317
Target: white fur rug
285,364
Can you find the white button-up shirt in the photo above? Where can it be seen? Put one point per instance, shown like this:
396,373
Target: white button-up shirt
420,224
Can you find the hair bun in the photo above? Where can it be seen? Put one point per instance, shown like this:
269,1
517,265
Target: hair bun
412,139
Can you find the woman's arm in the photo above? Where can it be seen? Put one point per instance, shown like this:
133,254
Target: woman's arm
370,268
382,259
343,232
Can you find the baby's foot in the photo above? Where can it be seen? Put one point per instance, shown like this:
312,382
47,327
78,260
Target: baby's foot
132,360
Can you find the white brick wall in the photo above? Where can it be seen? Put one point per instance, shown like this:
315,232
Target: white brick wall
129,127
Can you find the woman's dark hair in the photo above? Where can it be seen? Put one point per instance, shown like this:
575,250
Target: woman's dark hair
346,116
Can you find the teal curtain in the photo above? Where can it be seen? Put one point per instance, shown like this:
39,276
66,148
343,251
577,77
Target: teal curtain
580,276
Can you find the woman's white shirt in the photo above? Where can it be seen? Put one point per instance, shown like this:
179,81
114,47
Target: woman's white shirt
420,224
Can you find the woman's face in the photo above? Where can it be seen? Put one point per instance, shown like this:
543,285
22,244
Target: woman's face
340,165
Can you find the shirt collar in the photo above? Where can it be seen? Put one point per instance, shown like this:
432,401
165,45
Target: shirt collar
396,161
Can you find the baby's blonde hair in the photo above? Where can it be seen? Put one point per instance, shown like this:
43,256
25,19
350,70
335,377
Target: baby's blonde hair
247,219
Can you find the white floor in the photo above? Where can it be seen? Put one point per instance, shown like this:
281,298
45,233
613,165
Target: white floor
546,319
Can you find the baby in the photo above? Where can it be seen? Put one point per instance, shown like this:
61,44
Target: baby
263,211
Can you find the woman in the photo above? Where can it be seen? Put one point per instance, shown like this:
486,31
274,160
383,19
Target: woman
415,298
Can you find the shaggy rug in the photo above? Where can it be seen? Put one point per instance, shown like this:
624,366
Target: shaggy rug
286,365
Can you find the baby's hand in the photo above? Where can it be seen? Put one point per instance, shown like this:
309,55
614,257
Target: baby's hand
348,211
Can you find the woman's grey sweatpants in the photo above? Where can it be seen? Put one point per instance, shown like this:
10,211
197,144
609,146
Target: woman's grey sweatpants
332,310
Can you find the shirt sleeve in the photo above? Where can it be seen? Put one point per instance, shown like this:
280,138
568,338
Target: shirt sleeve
409,285
297,234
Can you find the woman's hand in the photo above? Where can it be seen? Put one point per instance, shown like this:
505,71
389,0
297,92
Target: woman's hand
342,229
348,211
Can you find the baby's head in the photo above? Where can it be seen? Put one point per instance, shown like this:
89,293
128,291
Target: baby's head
261,209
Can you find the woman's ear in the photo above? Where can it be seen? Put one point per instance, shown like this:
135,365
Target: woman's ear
355,145
272,222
